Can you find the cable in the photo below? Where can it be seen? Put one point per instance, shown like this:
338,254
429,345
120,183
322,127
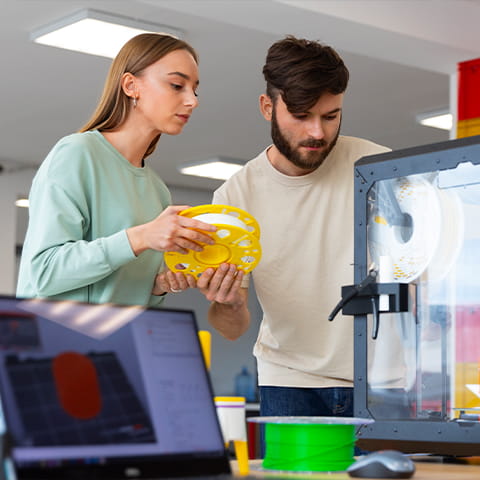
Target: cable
356,289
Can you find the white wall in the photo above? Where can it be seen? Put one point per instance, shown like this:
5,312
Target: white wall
12,186
227,357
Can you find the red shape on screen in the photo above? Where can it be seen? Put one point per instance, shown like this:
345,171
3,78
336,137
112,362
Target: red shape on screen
77,386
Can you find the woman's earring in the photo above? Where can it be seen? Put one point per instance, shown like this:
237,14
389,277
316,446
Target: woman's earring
134,102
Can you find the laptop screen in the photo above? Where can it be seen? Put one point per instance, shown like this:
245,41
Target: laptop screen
87,385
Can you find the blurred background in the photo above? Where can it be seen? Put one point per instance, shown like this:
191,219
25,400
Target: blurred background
402,56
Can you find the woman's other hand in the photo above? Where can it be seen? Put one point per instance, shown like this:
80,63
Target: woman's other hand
172,282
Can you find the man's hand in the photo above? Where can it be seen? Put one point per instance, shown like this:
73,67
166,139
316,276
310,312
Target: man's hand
228,312
222,285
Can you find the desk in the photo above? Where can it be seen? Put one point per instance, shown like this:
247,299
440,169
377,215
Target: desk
425,470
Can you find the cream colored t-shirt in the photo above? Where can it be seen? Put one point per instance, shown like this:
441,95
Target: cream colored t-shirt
306,233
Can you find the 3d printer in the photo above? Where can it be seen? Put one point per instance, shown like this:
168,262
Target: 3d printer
416,298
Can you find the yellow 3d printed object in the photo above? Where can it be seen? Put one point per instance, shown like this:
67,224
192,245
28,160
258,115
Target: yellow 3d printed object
237,241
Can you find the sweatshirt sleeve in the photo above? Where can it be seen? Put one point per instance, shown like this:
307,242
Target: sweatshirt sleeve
59,257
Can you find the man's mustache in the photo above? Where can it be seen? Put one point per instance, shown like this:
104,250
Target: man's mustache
313,143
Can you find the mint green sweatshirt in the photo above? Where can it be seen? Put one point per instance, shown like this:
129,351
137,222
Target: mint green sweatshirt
83,198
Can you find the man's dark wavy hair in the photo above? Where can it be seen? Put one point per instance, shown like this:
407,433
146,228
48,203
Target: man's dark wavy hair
301,71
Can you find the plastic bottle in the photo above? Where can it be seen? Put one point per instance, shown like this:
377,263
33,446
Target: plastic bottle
245,385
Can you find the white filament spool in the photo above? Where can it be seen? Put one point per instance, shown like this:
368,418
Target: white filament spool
451,237
410,256
221,219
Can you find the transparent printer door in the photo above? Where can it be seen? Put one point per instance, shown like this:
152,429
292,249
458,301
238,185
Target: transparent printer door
424,230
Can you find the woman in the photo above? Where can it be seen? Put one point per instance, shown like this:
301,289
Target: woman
95,232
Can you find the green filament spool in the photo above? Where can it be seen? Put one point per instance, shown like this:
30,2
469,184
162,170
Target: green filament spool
308,448
309,444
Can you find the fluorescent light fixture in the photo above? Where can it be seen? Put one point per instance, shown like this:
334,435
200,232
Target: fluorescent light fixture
219,168
94,32
439,119
22,202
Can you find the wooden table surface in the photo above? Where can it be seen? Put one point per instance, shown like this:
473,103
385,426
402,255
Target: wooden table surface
425,470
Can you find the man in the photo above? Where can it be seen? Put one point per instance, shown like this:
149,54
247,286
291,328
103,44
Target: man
300,190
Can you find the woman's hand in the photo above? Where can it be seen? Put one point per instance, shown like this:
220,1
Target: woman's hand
170,232
172,282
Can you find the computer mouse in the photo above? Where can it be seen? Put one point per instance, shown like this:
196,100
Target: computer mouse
382,464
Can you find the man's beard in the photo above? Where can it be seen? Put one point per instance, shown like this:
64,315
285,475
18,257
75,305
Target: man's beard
309,160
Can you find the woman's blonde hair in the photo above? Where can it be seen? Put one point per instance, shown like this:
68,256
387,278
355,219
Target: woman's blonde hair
137,54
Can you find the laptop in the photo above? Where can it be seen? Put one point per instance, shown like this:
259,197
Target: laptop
105,391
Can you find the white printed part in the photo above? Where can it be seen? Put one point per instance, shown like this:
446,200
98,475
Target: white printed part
385,275
385,269
384,303
220,219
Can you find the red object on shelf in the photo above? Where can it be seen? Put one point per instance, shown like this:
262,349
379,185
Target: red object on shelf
468,113
252,440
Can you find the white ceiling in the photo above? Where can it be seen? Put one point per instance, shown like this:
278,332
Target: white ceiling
401,55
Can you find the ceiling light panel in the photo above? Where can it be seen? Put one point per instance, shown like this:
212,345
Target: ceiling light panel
439,119
96,33
216,168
